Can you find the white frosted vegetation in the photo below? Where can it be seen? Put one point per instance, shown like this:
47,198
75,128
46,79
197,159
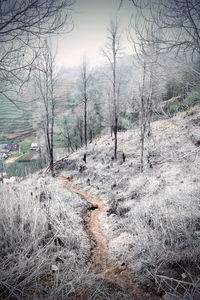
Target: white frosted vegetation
41,226
151,220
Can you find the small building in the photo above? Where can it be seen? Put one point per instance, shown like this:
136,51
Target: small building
34,147
4,153
12,147
6,148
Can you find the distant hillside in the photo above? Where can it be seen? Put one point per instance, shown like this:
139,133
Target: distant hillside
15,124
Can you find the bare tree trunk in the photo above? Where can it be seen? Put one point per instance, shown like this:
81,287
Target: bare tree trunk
91,135
143,121
142,151
115,112
153,84
68,149
70,145
111,54
85,78
69,141
115,135
114,94
52,117
85,120
1,169
51,163
111,131
149,118
81,136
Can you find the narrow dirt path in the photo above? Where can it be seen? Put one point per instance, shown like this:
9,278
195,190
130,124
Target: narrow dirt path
117,274
94,226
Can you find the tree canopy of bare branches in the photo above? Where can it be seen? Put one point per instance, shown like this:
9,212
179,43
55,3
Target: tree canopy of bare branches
22,25
176,23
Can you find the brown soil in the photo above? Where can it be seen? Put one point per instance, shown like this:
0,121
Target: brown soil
116,274
94,227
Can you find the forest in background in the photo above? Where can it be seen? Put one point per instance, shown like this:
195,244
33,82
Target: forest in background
68,108
175,81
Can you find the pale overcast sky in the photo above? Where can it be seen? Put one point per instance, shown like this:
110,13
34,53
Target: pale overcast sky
91,18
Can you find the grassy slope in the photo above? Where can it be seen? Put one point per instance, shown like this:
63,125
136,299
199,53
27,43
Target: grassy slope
15,124
23,163
152,221
41,227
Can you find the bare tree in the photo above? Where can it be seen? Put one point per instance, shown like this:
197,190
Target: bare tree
143,118
111,52
147,55
22,25
64,131
108,113
72,131
1,168
154,73
160,28
175,30
85,77
45,82
146,98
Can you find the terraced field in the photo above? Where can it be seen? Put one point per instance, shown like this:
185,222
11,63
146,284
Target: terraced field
15,124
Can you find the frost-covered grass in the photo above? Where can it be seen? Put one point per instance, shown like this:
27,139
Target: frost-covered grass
151,220
45,252
43,240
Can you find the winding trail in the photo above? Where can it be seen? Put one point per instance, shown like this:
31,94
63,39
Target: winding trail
93,224
117,274
102,264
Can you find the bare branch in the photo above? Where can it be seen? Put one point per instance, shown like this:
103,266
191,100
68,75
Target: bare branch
22,26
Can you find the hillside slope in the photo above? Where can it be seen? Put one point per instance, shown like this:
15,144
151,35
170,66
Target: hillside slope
15,124
151,220
101,229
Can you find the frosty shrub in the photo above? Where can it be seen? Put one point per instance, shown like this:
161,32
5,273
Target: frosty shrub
165,230
41,236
